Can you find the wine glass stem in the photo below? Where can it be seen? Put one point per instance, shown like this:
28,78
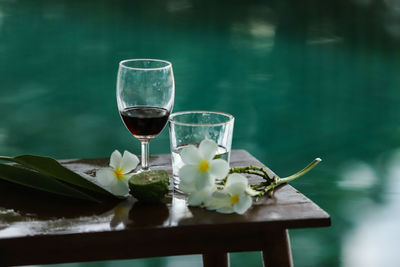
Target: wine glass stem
145,154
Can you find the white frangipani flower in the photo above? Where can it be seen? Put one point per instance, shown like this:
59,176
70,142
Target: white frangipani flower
115,178
201,169
234,197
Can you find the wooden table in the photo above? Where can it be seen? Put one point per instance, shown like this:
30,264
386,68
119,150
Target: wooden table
39,228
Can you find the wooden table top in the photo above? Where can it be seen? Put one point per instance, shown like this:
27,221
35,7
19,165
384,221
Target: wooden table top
49,229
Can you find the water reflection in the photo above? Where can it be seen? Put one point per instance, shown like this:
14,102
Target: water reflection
178,5
24,211
149,214
357,175
374,242
180,211
15,224
121,213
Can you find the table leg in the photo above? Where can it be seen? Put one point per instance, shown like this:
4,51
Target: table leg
276,252
216,259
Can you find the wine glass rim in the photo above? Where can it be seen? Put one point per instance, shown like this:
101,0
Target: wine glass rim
173,115
122,64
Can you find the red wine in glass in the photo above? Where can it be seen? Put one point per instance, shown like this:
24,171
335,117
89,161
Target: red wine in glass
145,121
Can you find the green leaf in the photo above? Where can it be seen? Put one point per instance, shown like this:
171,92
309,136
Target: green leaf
42,182
51,167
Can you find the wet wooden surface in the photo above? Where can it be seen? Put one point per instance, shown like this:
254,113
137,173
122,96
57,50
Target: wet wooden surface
40,228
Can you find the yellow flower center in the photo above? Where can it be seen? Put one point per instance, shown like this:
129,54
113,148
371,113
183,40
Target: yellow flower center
204,166
119,173
235,199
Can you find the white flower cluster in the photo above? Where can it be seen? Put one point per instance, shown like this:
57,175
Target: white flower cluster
198,179
115,178
198,176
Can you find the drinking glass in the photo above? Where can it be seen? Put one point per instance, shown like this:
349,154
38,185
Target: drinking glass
145,96
191,127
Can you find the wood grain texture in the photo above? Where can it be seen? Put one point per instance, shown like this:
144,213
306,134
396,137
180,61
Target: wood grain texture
39,228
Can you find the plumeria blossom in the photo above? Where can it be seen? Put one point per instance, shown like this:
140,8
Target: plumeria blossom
201,169
234,197
115,178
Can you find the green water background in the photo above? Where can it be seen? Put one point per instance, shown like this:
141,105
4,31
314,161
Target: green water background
303,79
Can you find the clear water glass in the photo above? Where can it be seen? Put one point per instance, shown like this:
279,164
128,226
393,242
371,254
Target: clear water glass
191,127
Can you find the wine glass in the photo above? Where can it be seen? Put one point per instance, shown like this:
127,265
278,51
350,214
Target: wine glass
145,97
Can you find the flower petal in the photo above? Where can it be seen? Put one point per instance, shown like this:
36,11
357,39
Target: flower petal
129,162
236,178
219,168
225,209
207,149
120,188
115,159
125,178
236,184
187,187
244,204
218,200
203,180
220,194
188,173
190,155
235,189
196,198
105,176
